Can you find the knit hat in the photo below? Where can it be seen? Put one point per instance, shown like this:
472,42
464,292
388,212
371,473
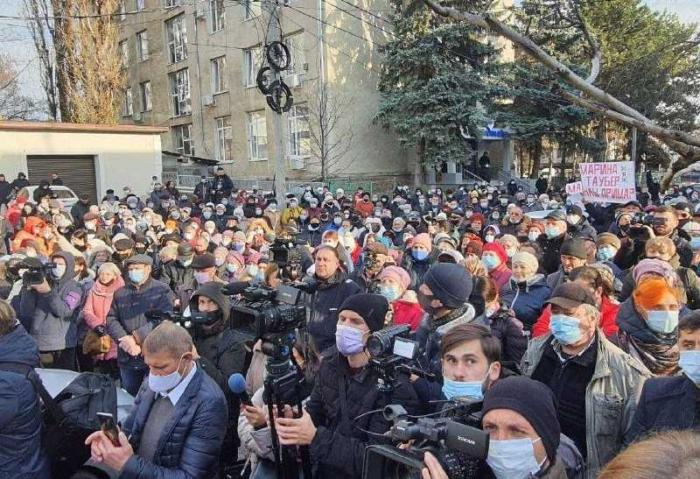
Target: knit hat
574,247
526,258
608,239
372,308
498,249
423,240
654,266
397,274
532,400
450,283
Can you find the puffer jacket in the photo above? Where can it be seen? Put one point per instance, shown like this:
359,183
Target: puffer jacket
526,299
52,316
97,305
611,397
324,304
338,448
127,315
26,234
429,336
21,456
191,439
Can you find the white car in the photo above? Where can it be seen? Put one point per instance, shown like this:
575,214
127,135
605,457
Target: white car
65,195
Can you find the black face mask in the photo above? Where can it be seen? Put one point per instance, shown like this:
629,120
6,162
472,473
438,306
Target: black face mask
140,249
424,300
375,228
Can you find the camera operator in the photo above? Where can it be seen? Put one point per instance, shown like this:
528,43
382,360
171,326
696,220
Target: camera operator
50,309
345,388
332,287
127,323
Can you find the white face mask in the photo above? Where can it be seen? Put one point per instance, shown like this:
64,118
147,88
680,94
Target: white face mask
161,384
513,458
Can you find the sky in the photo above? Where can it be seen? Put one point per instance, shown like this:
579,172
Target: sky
16,42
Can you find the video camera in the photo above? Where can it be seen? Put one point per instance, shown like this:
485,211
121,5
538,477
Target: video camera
187,322
35,271
449,441
286,254
637,222
271,310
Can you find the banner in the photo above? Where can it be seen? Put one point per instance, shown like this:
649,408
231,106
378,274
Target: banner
608,182
574,188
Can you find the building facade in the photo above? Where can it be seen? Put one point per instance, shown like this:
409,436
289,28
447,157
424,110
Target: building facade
191,66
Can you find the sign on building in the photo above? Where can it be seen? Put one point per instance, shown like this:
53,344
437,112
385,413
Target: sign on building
608,182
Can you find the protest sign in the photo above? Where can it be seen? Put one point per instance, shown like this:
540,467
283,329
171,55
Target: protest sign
608,182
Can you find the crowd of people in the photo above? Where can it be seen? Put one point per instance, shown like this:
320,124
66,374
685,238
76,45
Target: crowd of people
574,325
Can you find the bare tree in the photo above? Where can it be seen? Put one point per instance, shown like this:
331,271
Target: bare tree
13,105
686,145
41,29
330,137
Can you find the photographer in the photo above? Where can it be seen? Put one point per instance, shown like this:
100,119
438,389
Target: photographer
345,388
49,306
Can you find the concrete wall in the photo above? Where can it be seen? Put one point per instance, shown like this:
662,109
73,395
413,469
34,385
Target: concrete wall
121,159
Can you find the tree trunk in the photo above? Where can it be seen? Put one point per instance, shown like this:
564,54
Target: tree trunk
536,162
61,34
601,135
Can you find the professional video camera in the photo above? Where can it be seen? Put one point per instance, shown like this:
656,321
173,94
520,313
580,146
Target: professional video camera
186,321
391,353
449,441
286,254
637,222
35,272
271,310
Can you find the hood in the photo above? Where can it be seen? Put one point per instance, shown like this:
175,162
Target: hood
18,346
629,321
537,281
212,290
31,222
70,266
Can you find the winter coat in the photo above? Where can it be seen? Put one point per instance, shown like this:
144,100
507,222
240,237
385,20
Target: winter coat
416,269
665,404
127,315
21,455
175,274
324,304
52,317
25,234
608,319
551,252
289,214
526,299
338,448
96,308
555,279
509,332
500,275
611,397
407,312
190,442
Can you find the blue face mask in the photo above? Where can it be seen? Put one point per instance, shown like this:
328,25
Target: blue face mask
490,262
695,243
457,389
551,232
162,384
419,254
690,365
136,275
513,458
391,293
606,253
663,322
565,328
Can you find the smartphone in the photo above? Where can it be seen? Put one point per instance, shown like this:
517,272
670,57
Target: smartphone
109,427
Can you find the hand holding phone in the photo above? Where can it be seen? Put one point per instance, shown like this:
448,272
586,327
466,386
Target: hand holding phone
109,427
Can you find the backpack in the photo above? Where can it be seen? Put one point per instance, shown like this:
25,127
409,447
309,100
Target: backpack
70,417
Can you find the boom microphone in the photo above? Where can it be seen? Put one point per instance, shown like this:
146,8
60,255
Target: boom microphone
236,383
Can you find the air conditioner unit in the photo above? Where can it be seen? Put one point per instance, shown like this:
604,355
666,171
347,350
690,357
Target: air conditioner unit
297,163
293,81
208,100
136,116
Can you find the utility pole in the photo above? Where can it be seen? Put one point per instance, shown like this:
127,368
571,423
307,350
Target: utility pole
633,145
274,34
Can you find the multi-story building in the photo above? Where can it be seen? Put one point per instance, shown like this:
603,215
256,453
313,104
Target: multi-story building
192,66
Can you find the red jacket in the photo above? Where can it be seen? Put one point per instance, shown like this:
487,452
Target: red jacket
407,312
608,314
97,305
500,275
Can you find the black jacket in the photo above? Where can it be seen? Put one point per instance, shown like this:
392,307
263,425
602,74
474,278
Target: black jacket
338,448
175,274
666,403
551,252
324,305
5,190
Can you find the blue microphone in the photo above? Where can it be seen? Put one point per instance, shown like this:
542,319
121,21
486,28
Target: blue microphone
237,385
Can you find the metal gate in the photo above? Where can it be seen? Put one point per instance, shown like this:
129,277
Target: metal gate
77,172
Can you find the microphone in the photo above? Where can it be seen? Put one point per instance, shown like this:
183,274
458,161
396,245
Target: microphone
236,383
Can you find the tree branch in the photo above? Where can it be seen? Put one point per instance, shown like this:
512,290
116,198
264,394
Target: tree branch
597,54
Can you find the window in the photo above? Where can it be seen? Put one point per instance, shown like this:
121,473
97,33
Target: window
124,52
128,106
173,3
177,38
142,45
218,12
251,58
257,136
296,51
140,5
146,103
184,144
252,9
218,75
224,138
180,92
299,137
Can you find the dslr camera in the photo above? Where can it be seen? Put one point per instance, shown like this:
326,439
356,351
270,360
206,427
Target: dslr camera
449,441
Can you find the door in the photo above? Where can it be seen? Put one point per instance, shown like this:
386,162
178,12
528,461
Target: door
77,172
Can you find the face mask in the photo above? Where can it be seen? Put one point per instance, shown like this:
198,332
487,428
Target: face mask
58,271
484,204
513,458
565,328
533,235
252,270
490,262
313,226
161,384
231,268
337,221
136,275
257,212
207,214
551,232
606,253
391,293
425,302
201,277
349,340
489,238
239,246
375,228
419,254
189,236
573,219
457,389
219,261
689,362
510,252
504,201
695,243
663,322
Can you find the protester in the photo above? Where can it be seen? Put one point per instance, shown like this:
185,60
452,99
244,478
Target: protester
526,292
393,285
